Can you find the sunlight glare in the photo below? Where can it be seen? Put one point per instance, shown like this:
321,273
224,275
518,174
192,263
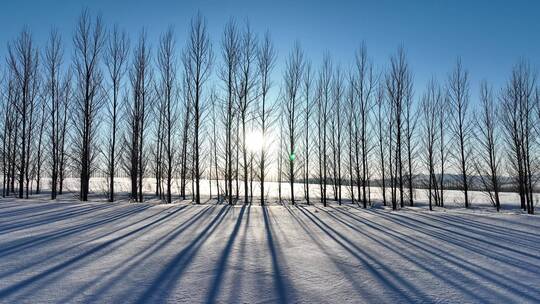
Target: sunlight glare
254,141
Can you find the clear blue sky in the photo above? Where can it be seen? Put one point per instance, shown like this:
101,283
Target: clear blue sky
490,36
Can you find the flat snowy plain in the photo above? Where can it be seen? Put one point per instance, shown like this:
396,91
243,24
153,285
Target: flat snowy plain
97,252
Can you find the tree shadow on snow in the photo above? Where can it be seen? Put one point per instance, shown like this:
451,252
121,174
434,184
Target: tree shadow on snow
166,279
133,264
460,272
43,278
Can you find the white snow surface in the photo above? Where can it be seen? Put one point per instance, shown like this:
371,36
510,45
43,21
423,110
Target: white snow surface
96,252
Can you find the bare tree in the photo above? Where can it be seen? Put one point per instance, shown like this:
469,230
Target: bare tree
116,55
186,135
245,85
443,142
517,99
138,113
230,54
431,101
461,124
364,89
307,87
489,159
197,59
411,121
13,131
280,154
7,119
337,131
351,136
88,44
31,132
398,87
214,142
382,130
23,65
53,61
66,97
391,148
323,106
159,139
266,59
7,127
294,69
167,64
43,116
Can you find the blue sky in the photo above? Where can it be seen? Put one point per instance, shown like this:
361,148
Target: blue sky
490,36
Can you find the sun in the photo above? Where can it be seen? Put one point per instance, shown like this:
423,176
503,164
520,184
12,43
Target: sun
254,141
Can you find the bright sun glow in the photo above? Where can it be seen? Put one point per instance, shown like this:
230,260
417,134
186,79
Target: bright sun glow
254,141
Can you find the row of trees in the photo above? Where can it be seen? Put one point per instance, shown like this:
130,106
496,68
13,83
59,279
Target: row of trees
178,115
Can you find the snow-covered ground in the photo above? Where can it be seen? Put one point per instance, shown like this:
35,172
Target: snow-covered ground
72,252
480,201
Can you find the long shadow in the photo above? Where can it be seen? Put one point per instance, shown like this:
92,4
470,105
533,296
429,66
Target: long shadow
519,238
131,263
277,228
48,256
12,211
422,247
506,254
173,270
25,209
322,246
33,212
222,263
31,219
504,229
63,232
71,213
456,242
475,243
531,227
171,235
371,263
7,291
92,258
382,239
282,288
489,275
237,278
530,235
